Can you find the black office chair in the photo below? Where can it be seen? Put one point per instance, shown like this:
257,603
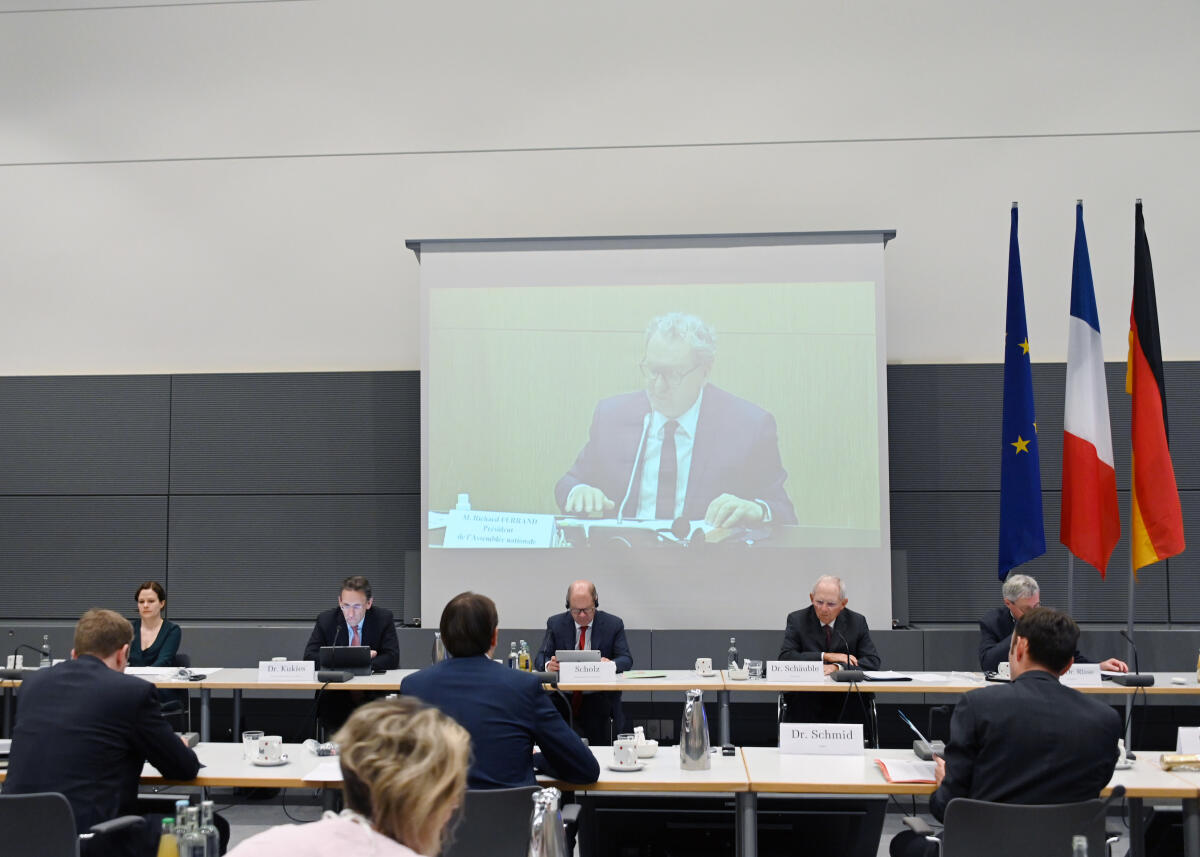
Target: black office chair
977,828
495,823
44,824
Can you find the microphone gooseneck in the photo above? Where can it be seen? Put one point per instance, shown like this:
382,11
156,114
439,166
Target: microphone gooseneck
637,460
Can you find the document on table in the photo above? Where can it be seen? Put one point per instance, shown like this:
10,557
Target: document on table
644,674
328,770
151,673
907,771
886,675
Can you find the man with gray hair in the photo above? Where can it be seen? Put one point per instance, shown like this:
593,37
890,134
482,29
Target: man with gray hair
682,447
1021,594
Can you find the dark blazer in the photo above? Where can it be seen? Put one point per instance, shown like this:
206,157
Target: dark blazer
804,638
378,632
995,635
736,451
86,730
1031,741
608,635
507,712
161,652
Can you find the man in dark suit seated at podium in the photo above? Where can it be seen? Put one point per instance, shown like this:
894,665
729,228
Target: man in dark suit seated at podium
85,729
584,626
1021,593
681,448
1031,741
826,631
506,711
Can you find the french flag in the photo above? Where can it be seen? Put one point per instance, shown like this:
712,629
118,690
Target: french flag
1091,524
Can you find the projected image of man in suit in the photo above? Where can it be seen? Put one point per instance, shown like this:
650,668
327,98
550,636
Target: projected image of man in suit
682,447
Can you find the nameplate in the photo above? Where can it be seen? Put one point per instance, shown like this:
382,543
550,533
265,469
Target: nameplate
1082,675
821,739
286,671
808,672
472,529
586,672
1188,740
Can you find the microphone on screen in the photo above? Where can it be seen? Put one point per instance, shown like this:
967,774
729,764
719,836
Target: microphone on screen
637,459
847,673
1134,679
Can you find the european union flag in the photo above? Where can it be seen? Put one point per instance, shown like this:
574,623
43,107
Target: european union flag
1022,535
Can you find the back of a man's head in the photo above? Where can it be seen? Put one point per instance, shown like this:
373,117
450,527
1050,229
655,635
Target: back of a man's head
468,621
1051,635
101,633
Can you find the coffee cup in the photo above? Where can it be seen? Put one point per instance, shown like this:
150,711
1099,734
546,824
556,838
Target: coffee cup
704,666
270,749
625,751
250,744
1003,670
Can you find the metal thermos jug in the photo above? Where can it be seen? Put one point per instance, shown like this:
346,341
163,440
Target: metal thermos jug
546,837
439,648
693,734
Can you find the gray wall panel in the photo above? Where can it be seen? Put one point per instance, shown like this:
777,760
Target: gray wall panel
282,557
1182,571
331,433
61,555
84,435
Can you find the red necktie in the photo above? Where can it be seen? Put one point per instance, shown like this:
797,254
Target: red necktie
577,695
354,641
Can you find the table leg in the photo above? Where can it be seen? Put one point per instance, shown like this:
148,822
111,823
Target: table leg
237,714
723,717
1191,827
1137,827
746,825
205,714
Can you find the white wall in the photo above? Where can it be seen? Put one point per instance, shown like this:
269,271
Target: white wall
228,187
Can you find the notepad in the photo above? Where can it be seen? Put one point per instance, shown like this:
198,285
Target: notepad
904,771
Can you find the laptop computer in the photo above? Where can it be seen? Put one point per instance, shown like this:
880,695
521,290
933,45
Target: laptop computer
577,655
355,660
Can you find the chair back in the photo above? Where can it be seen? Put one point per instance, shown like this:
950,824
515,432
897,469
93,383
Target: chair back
182,660
978,828
41,823
492,823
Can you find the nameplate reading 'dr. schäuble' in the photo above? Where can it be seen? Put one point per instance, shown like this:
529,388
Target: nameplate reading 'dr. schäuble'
797,671
1082,675
286,671
821,739
586,672
471,529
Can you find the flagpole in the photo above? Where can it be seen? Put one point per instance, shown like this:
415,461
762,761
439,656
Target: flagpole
1129,643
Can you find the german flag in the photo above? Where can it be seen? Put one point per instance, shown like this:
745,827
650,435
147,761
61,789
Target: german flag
1156,531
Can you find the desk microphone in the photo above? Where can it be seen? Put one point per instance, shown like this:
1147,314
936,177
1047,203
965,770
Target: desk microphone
1134,679
847,673
637,460
15,673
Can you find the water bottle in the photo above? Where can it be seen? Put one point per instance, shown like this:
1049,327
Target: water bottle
181,808
524,660
193,843
733,654
46,659
512,655
168,845
209,828
439,648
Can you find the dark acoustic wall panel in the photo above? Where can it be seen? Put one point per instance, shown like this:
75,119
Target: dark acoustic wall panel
1183,571
314,433
282,557
84,435
61,555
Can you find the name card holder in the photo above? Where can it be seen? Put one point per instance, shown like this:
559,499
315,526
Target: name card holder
821,739
586,672
800,672
277,671
1082,675
1188,740
478,529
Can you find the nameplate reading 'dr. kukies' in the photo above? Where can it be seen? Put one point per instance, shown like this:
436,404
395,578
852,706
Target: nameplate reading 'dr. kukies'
471,529
586,672
797,671
1082,675
286,671
821,739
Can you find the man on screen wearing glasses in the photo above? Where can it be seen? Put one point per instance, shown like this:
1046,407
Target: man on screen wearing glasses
681,448
355,621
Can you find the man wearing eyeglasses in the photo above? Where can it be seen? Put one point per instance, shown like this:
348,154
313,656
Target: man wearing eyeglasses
355,621
682,447
584,626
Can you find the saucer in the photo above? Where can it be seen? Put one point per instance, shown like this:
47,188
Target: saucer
708,674
624,768
265,763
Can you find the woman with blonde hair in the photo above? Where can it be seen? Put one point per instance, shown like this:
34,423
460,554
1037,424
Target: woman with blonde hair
404,767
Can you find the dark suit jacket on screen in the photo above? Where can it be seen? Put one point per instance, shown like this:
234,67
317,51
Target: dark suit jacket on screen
378,632
86,730
995,635
507,712
736,451
804,638
1031,741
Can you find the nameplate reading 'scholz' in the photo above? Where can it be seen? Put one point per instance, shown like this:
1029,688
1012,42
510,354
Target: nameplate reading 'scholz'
286,671
1082,675
821,739
797,671
586,672
472,529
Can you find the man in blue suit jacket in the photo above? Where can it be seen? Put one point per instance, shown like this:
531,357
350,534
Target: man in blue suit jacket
506,711
590,712
725,468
